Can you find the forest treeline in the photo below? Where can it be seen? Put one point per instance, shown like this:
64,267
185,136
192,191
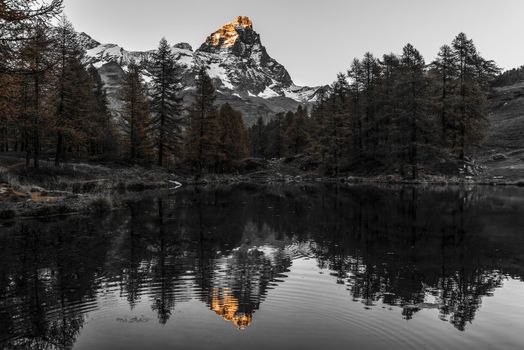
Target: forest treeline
396,113
509,77
53,106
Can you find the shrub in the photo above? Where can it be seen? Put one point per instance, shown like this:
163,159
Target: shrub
101,205
52,210
7,214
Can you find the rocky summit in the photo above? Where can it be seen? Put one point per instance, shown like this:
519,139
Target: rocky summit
229,34
244,74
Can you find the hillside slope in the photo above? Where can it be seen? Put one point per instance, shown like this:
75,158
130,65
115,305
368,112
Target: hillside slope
503,149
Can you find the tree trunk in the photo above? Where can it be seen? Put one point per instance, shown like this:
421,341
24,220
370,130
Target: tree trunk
36,154
58,152
161,142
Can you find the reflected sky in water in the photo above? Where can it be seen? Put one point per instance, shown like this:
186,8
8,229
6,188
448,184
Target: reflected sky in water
284,267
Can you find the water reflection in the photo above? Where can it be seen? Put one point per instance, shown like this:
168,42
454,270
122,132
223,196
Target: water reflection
228,248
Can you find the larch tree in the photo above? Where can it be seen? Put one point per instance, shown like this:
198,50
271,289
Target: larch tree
356,75
8,112
233,135
36,63
297,137
335,131
202,139
25,27
166,102
413,113
445,70
19,22
319,113
473,71
370,70
387,102
71,91
90,123
105,130
136,115
258,138
276,135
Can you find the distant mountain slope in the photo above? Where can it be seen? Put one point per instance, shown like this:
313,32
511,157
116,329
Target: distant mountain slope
506,115
243,72
503,149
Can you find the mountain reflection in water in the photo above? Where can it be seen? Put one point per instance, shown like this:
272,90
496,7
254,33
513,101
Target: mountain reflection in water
230,249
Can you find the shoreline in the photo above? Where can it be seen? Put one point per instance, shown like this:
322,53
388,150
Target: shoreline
91,188
114,198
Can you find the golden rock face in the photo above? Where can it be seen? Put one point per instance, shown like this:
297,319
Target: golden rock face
244,22
227,36
226,305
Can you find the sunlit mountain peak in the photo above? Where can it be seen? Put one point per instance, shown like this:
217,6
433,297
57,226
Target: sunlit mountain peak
228,35
226,305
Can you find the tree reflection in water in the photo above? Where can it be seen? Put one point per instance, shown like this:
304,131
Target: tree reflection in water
415,248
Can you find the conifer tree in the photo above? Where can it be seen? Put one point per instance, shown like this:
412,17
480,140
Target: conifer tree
356,75
473,71
8,88
336,129
72,89
36,63
232,135
370,79
413,113
19,22
105,129
297,133
318,111
394,112
136,115
96,131
318,117
258,137
202,134
446,72
25,62
387,102
166,101
276,134
509,77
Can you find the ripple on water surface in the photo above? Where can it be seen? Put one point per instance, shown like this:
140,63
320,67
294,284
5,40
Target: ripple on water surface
366,268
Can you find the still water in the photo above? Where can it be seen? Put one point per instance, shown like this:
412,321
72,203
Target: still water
278,267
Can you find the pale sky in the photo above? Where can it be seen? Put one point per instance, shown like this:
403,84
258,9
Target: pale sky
313,39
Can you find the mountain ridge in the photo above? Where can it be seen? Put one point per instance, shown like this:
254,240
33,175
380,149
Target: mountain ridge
244,74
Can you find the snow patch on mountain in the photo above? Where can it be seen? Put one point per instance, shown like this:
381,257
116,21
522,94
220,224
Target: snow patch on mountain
268,93
235,59
217,72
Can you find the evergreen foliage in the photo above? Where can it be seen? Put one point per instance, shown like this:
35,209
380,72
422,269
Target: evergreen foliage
166,103
233,137
136,117
394,114
202,143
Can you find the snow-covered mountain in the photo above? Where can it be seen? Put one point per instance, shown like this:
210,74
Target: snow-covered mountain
243,73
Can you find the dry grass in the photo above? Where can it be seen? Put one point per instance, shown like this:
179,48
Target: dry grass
38,197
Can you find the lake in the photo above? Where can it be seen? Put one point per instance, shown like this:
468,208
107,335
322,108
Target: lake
272,266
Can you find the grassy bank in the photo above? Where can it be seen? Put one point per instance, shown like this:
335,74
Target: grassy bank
71,188
97,188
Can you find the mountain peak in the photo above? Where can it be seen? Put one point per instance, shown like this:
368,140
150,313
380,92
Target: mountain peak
243,22
87,42
242,71
228,34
